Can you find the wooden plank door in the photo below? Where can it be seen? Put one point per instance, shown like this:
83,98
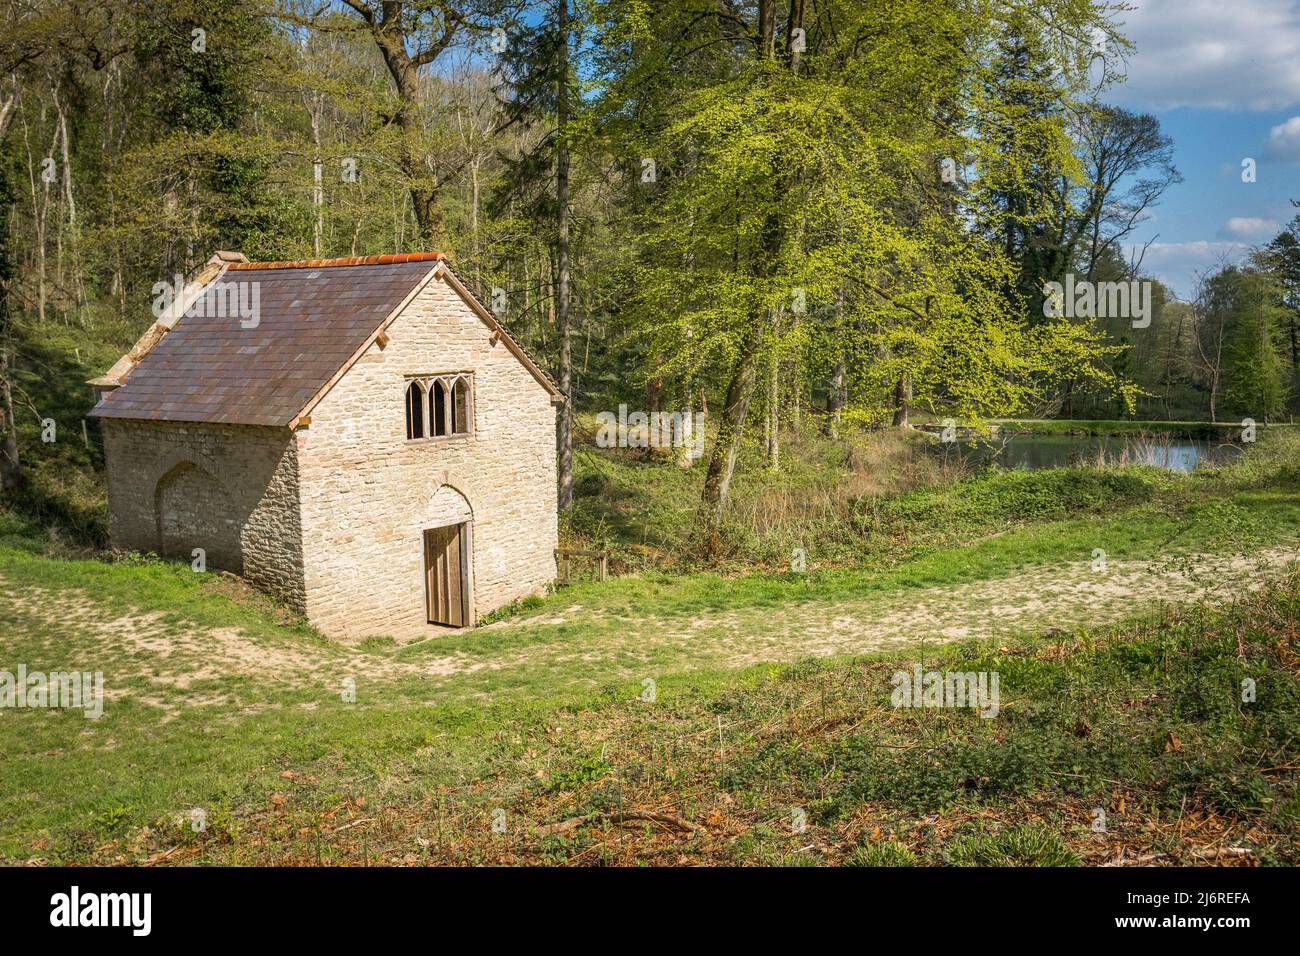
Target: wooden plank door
444,575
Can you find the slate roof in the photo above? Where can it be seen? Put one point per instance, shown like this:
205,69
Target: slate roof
313,317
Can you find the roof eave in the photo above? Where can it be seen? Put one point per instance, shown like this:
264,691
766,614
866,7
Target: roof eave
212,270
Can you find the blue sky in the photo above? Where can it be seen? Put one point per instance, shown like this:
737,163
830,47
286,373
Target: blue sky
1223,77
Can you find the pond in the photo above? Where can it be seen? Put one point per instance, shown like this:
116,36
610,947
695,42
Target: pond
1032,452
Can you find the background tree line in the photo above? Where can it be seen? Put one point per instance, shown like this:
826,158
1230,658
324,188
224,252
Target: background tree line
791,213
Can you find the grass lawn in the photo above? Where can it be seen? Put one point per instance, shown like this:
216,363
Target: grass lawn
218,701
799,763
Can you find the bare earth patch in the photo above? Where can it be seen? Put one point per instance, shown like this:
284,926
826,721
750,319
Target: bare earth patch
175,657
1037,599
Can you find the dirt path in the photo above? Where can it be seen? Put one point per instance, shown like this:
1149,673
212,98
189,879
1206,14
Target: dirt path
172,658
1040,599
163,663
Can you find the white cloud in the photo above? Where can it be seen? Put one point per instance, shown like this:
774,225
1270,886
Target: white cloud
1248,227
1177,264
1198,252
1229,54
1284,141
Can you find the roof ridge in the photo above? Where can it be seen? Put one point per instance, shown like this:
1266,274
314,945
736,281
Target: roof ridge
384,260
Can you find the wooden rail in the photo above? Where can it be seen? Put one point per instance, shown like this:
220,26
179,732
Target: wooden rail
562,556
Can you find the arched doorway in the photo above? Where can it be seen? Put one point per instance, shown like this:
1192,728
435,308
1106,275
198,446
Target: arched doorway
448,559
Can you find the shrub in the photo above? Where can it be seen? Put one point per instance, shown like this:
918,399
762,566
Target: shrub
1029,844
883,853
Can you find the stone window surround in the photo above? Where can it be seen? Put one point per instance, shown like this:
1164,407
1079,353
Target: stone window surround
448,379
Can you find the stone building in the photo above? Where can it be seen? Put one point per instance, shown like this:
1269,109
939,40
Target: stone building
358,437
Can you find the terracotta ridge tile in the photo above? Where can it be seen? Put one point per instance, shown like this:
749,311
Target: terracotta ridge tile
384,260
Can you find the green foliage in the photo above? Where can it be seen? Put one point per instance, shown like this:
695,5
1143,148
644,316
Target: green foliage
1025,845
1257,384
199,53
882,853
587,770
825,261
111,820
997,497
507,611
963,768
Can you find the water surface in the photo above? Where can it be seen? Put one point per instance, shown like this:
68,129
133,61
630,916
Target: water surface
1032,452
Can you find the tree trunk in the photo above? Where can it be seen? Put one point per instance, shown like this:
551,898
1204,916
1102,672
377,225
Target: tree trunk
317,184
774,413
473,222
11,477
67,160
686,451
794,379
421,183
837,394
794,22
731,428
654,402
40,210
767,28
74,243
835,399
565,476
902,399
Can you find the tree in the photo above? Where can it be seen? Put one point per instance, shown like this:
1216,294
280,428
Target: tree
411,36
1238,329
1282,257
798,165
542,92
1213,313
11,476
563,97
1117,148
1024,120
1256,370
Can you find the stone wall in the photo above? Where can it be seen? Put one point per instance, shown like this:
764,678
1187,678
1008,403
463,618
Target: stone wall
231,490
368,494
